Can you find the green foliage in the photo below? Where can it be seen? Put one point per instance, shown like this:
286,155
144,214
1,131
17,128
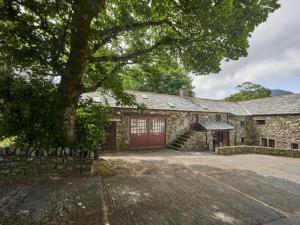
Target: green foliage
167,79
27,111
90,124
90,44
248,91
251,133
7,142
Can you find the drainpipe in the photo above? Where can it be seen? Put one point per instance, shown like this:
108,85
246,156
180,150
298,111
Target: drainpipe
206,140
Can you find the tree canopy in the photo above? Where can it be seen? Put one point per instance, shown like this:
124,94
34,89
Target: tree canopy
166,79
248,91
88,44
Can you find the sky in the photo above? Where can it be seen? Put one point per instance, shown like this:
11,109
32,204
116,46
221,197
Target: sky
273,58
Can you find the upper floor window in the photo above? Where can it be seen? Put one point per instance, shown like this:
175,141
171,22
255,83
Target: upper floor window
218,118
260,122
294,146
242,123
271,143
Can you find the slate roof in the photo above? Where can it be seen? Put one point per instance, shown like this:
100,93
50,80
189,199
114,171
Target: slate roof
216,125
152,101
287,104
220,106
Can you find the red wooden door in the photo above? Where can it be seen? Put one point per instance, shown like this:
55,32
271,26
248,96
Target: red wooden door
157,135
193,121
147,131
138,132
226,138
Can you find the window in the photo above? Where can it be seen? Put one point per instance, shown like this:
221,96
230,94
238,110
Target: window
271,143
264,142
260,122
218,118
157,126
242,140
138,126
242,123
294,146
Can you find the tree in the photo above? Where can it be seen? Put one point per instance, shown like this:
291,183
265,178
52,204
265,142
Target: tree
251,133
88,43
248,91
166,79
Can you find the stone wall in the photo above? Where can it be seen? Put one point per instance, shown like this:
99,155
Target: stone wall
232,150
196,142
177,123
239,132
45,162
284,129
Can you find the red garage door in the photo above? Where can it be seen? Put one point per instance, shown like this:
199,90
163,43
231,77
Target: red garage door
147,131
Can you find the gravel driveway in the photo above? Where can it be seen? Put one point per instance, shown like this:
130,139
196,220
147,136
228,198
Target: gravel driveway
169,187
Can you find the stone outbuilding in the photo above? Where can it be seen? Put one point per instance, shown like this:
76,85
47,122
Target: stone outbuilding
189,123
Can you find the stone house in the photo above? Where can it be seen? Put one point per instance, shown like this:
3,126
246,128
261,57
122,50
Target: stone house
189,123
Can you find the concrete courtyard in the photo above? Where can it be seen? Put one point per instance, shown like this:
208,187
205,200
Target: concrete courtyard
161,187
169,187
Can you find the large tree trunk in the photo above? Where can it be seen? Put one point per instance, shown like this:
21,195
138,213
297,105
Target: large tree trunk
71,82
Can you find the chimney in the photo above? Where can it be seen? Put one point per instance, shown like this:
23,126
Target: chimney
183,92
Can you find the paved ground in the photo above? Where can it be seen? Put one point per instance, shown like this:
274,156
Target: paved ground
174,188
51,202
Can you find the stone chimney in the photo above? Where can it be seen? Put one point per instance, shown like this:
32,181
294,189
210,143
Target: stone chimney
183,92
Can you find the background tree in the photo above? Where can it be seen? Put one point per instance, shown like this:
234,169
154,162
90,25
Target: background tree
166,79
87,44
248,91
251,132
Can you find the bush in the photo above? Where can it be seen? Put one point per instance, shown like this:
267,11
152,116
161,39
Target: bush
91,120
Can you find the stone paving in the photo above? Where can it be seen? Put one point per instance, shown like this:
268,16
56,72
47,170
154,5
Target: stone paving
173,188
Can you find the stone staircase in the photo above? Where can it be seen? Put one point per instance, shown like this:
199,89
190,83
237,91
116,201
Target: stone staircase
190,141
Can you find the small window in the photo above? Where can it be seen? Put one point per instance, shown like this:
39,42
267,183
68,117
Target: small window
242,140
264,142
242,123
294,146
271,143
260,122
218,118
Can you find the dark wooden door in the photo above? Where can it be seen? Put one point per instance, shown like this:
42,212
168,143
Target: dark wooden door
157,135
220,138
147,131
194,121
110,140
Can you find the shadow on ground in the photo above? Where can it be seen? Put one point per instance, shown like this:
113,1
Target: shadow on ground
51,201
161,193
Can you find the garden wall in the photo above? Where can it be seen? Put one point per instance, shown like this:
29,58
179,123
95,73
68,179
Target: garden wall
45,162
232,150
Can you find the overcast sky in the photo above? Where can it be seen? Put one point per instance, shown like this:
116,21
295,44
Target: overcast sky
273,59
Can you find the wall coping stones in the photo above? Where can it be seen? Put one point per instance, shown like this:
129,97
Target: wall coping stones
245,149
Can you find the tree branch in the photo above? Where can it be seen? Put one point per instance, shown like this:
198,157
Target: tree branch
114,31
99,83
134,54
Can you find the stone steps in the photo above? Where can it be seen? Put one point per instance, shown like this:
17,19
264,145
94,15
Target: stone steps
185,141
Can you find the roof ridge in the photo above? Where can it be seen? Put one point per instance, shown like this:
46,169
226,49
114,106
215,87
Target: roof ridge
279,96
247,111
